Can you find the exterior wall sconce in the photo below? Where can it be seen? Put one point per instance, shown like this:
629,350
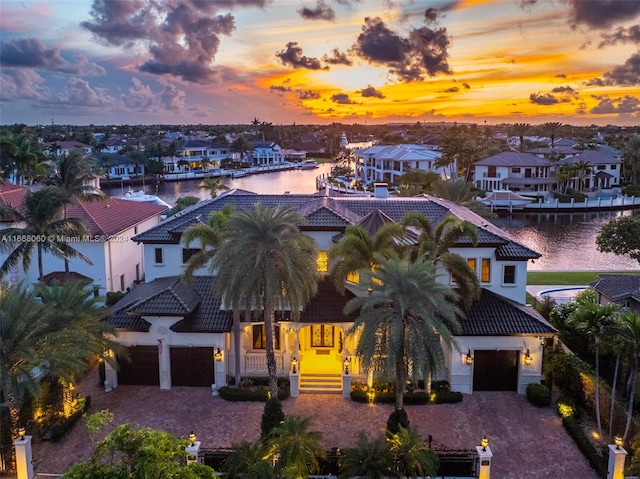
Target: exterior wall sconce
370,291
192,438
484,442
528,359
218,355
294,365
468,359
21,433
346,365
619,441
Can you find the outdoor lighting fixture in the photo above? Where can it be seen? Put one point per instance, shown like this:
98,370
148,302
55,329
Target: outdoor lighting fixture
218,355
294,365
619,442
370,291
484,442
21,433
528,359
346,365
192,438
468,358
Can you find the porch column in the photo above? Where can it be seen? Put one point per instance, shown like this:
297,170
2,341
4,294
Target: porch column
164,364
24,462
220,363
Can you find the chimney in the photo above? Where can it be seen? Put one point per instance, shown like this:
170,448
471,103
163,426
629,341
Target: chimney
380,190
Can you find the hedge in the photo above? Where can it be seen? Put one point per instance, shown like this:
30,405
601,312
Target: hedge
410,399
539,395
258,395
597,461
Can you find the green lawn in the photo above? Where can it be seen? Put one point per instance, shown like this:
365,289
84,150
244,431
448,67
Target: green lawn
565,277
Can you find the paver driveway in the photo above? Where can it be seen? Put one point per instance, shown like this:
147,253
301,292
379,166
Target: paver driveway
526,441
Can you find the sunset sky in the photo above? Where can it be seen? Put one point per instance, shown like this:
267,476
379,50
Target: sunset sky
319,61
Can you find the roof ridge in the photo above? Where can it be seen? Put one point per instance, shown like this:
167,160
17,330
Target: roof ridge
81,205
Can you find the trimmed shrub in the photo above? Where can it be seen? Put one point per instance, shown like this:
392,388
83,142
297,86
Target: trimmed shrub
254,394
416,398
397,419
566,407
539,395
447,397
272,416
597,460
440,386
113,297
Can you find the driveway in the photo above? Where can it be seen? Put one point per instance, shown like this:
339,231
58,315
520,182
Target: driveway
525,441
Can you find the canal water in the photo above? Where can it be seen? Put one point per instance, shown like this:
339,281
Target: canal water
565,240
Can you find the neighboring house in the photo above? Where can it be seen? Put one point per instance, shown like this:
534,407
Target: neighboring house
114,144
60,148
293,155
388,163
118,262
603,170
621,289
116,166
174,331
266,153
524,173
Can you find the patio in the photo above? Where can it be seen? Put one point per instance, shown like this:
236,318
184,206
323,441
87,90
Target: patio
525,440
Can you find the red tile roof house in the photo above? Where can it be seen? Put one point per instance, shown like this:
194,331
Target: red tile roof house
117,260
174,331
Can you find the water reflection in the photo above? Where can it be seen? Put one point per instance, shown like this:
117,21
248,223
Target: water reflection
567,241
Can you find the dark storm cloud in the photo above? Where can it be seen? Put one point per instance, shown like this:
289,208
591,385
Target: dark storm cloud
183,37
602,13
424,51
627,74
621,35
308,94
430,15
292,55
371,92
565,90
544,99
321,11
342,99
280,88
626,104
32,53
337,58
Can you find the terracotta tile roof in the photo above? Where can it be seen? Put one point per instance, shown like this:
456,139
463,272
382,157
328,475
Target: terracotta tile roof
493,315
112,216
617,287
12,195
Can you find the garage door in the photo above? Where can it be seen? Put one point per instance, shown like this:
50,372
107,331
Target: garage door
142,369
192,367
495,370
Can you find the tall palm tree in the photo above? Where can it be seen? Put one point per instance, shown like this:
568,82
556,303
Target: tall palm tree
631,154
43,226
402,323
520,130
552,128
434,245
212,185
296,447
582,169
264,263
628,339
241,145
598,322
357,249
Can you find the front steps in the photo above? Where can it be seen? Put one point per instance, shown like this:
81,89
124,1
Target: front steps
316,383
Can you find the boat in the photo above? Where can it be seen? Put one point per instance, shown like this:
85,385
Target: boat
505,199
308,165
238,174
141,196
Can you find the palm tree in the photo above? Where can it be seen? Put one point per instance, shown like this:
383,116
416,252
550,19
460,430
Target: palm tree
369,459
403,321
296,447
44,227
412,457
460,192
628,339
264,263
582,169
247,461
241,145
29,160
597,321
551,128
212,185
631,154
434,245
520,130
357,249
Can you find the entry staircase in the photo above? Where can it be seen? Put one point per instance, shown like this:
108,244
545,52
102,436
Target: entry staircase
319,383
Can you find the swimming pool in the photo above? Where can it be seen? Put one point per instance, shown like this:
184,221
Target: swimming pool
561,295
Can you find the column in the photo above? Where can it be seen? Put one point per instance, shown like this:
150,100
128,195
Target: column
164,364
192,452
110,374
294,383
220,368
484,456
617,456
24,463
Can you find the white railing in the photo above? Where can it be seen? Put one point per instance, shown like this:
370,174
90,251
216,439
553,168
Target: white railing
257,363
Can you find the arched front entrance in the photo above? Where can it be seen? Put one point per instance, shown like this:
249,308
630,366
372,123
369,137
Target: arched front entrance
322,349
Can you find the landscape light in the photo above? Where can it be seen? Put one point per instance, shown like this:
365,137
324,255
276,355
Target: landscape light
294,365
346,365
192,438
619,441
484,442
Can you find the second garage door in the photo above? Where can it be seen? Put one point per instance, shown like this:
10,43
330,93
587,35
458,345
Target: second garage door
495,370
192,367
141,368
